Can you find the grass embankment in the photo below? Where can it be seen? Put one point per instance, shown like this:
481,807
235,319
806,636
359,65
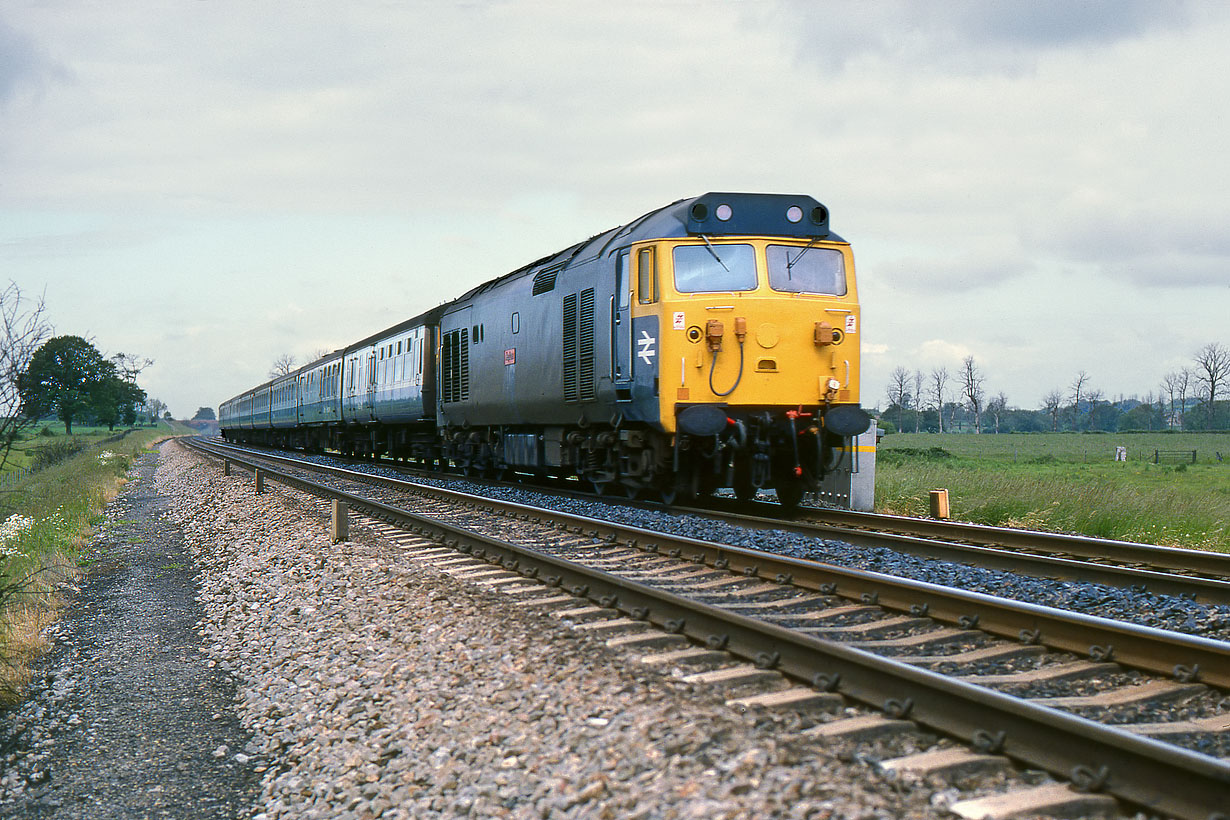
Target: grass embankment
1067,482
45,519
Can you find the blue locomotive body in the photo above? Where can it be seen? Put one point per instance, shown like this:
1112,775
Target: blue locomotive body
711,343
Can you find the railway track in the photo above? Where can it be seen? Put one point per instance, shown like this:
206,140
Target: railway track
1008,678
1195,574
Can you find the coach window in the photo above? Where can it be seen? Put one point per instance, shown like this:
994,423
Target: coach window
646,277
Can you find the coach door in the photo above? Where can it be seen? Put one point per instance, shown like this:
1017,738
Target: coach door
369,387
621,329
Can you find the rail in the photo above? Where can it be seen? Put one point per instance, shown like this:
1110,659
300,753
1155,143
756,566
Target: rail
1155,775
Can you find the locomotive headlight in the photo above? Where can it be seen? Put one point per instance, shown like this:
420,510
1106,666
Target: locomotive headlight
833,384
723,212
794,214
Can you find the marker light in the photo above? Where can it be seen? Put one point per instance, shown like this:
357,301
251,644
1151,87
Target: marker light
794,213
723,212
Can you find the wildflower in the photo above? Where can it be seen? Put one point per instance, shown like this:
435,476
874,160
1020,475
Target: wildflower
10,529
105,456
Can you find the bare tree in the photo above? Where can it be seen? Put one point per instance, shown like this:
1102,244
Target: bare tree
153,408
22,331
1052,403
997,407
1212,374
1183,385
130,365
918,399
283,365
939,391
971,384
1169,387
1077,388
898,390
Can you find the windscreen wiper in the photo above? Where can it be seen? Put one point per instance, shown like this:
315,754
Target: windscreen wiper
713,253
790,262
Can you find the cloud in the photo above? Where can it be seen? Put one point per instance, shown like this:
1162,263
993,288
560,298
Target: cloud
23,64
965,36
1154,244
972,268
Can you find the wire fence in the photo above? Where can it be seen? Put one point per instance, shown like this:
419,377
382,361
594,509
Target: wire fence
13,477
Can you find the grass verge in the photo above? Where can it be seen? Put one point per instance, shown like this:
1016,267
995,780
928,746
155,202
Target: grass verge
45,520
1066,483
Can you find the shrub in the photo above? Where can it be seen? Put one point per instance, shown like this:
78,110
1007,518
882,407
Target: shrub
52,453
904,455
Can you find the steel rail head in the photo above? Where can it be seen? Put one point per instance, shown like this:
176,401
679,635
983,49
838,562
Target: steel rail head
1160,777
1216,564
1153,650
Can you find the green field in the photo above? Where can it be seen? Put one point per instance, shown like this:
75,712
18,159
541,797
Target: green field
52,433
1067,482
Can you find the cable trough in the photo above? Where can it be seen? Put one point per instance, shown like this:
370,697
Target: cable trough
708,592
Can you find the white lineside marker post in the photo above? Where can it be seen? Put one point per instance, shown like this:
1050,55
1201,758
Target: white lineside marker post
341,521
260,480
939,504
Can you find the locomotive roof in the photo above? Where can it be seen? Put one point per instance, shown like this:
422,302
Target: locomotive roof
711,214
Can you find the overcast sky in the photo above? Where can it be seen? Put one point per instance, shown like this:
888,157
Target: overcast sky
1040,184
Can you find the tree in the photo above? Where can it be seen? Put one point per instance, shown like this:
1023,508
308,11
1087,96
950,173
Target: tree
918,401
997,407
1078,384
115,398
939,391
283,365
22,332
129,366
898,390
62,377
1052,404
152,409
204,414
971,382
1212,373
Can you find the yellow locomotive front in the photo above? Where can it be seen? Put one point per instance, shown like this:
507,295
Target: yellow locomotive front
759,346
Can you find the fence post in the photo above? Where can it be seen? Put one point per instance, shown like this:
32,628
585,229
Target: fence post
341,521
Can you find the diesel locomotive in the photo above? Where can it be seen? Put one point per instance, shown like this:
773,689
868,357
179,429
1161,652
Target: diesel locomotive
712,343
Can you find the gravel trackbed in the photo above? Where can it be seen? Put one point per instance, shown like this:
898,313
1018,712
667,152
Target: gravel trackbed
273,674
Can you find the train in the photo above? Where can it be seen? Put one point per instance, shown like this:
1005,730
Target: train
711,344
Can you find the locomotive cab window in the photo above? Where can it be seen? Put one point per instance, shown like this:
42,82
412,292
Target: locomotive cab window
714,268
623,288
646,277
806,270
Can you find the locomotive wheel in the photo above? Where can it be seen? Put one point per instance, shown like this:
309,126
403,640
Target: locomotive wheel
744,489
790,493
